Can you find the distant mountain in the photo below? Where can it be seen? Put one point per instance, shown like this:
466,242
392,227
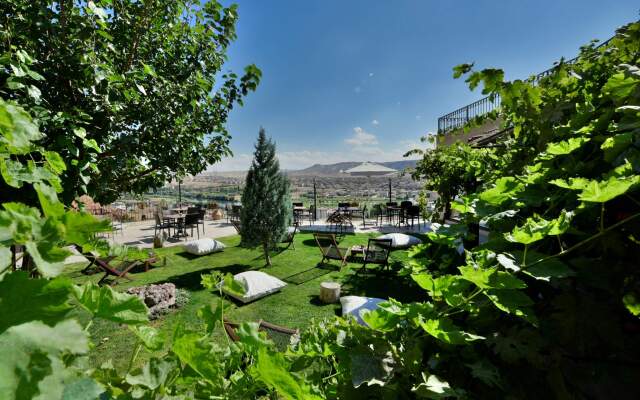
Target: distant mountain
337,168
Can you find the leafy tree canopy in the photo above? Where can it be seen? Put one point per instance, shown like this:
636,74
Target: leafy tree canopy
128,93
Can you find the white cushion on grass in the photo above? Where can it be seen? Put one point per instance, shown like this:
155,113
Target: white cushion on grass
355,305
256,284
400,240
201,247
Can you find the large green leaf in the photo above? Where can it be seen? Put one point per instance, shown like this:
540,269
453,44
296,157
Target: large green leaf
49,202
23,299
104,302
17,129
272,369
603,191
152,338
616,144
619,86
432,387
552,268
31,353
196,352
80,227
534,229
567,146
491,278
505,188
513,302
152,375
445,330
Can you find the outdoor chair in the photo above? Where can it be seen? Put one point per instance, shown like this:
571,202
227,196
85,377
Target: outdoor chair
289,238
160,225
281,336
330,249
412,213
191,221
104,264
201,214
377,252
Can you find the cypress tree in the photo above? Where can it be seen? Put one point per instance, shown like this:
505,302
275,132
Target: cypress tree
266,201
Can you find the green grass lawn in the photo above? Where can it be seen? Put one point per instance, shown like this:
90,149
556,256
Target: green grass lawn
295,306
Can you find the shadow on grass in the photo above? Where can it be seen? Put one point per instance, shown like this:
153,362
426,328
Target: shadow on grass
191,280
382,284
310,274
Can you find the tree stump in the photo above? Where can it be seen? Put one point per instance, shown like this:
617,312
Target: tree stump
329,292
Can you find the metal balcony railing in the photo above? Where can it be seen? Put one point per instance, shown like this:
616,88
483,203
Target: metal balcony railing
460,117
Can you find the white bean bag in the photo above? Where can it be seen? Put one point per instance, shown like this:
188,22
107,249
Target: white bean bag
256,284
400,240
201,247
356,305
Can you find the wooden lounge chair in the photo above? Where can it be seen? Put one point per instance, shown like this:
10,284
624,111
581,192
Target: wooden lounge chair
289,238
119,271
280,335
377,252
330,249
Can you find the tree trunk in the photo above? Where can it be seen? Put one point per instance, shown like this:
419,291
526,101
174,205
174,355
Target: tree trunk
265,247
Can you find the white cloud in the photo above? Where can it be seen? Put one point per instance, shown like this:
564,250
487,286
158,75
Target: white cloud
357,89
361,138
418,117
370,74
375,122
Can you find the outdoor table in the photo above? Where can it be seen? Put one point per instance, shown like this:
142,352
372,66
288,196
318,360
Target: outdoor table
393,212
179,219
180,210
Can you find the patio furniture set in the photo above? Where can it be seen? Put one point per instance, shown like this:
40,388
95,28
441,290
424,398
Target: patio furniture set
180,219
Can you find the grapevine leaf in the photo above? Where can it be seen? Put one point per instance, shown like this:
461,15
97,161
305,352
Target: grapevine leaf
615,145
152,375
31,358
211,316
619,86
433,387
552,268
513,302
534,229
82,388
567,146
445,330
48,300
505,188
251,337
196,353
486,372
150,336
491,278
80,227
381,320
571,183
603,191
271,368
49,202
104,302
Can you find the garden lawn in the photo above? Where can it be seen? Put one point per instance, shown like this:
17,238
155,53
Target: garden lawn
295,306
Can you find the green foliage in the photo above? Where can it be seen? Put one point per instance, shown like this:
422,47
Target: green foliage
452,171
266,201
136,90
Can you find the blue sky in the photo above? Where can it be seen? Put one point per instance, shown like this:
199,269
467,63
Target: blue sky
364,80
